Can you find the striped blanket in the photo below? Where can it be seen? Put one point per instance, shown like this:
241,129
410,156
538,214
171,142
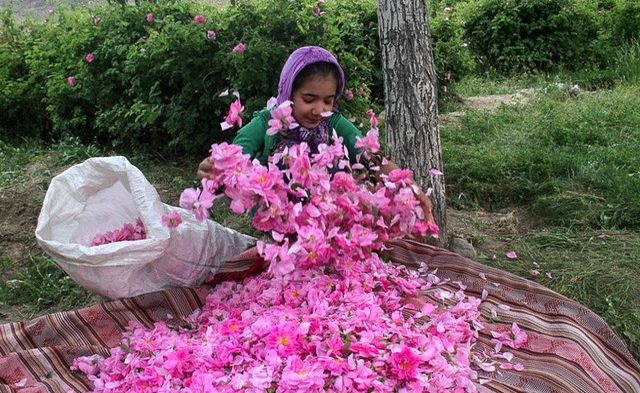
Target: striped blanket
570,349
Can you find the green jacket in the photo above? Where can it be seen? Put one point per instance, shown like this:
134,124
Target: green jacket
254,139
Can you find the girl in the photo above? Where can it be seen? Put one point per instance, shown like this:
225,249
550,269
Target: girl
313,80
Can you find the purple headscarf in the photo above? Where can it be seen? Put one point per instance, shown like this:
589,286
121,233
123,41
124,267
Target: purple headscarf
299,59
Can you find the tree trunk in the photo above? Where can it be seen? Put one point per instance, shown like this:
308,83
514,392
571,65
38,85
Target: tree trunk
411,101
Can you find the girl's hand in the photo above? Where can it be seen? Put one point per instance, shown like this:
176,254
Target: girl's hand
204,169
425,203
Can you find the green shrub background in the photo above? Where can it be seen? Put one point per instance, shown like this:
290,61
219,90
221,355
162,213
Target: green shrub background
155,86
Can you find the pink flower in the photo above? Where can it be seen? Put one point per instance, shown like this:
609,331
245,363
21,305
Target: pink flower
433,228
171,219
86,364
226,156
127,232
150,18
316,11
281,118
211,35
370,142
404,363
239,48
371,115
302,376
199,19
401,176
71,81
89,57
348,95
233,116
285,339
511,255
197,201
514,338
360,91
329,313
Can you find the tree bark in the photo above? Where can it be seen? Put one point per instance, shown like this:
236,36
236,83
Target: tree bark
411,101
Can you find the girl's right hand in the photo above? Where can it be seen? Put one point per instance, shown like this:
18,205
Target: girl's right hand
204,169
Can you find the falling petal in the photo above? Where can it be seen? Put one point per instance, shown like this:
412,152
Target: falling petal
224,93
511,255
548,274
487,367
435,172
277,236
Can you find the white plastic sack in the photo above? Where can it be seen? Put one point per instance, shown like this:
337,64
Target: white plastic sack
104,193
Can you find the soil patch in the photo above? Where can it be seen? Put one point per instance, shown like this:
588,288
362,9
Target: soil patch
489,103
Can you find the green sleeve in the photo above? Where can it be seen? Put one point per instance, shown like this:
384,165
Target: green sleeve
251,137
348,131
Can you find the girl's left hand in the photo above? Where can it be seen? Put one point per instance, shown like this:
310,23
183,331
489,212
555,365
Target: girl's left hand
204,168
427,206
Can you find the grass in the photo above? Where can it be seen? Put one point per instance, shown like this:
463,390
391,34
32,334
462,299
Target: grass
598,269
40,286
574,160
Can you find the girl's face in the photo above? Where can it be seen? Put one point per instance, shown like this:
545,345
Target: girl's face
315,96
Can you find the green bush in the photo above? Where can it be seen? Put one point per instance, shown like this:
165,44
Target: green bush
21,98
452,57
531,35
625,22
157,84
